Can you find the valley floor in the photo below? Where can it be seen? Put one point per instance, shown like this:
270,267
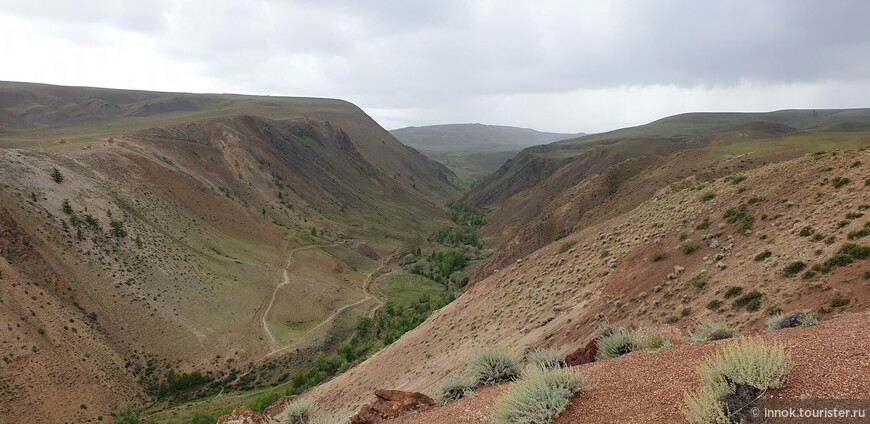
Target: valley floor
830,361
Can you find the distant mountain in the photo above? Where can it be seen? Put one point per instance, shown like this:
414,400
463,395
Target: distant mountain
454,137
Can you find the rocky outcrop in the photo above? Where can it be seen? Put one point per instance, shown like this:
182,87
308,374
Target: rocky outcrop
583,355
392,404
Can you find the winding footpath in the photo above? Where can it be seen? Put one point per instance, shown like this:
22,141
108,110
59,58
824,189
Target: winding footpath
275,346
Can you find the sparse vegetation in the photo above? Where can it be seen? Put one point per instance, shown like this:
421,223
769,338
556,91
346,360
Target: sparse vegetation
688,246
735,179
763,255
793,268
793,319
751,300
538,398
491,366
740,214
806,232
658,255
733,291
545,359
841,181
566,245
735,378
711,330
839,301
299,412
705,224
613,343
454,389
707,196
714,305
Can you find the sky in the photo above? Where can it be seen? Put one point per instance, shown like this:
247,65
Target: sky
552,65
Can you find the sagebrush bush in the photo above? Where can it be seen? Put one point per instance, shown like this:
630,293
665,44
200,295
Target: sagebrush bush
793,319
619,342
658,255
711,330
733,378
454,389
749,362
566,246
689,246
545,359
538,398
299,412
705,406
653,340
492,366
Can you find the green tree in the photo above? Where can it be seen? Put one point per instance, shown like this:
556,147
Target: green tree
56,176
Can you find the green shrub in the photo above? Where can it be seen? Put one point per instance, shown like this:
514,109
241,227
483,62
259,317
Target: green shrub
841,181
735,179
454,389
806,232
689,246
839,301
128,415
867,182
714,305
653,340
793,268
299,412
545,359
56,176
839,259
854,215
711,330
617,343
763,255
658,255
707,196
705,224
492,366
566,245
793,319
740,214
733,291
538,398
856,251
698,283
731,380
755,199
751,300
855,235
200,418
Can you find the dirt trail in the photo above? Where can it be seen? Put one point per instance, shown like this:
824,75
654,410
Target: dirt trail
276,347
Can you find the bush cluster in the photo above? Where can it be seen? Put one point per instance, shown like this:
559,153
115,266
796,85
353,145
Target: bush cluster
538,398
491,366
711,330
793,319
733,379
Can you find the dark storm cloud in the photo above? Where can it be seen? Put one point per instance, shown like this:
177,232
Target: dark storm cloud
420,56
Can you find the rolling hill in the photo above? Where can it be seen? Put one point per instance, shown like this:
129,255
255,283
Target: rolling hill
458,137
473,151
143,234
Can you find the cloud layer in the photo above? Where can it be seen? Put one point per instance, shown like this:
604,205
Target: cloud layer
553,65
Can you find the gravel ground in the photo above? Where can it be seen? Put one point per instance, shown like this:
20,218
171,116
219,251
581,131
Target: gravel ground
831,360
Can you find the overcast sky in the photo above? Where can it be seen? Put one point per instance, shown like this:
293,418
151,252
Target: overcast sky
550,65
